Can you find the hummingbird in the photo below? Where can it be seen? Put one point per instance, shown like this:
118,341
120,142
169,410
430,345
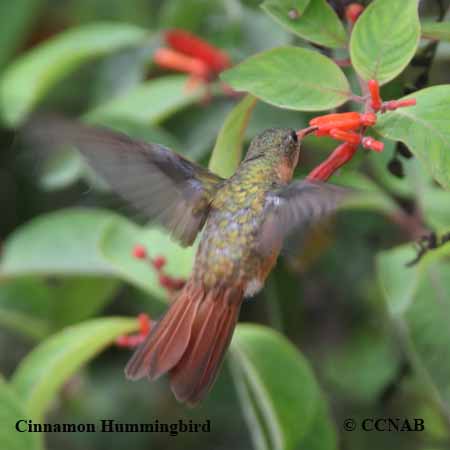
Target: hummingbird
243,222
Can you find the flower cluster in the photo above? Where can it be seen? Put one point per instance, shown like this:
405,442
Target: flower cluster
350,128
169,283
192,55
132,341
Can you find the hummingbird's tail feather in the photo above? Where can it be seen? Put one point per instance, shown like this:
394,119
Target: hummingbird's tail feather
167,342
196,371
190,341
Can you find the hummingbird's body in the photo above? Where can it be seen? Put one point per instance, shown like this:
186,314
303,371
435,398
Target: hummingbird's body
228,248
244,220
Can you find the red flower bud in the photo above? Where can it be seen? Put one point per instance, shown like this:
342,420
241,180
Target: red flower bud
395,104
178,283
144,324
374,89
139,252
372,144
167,282
353,11
159,262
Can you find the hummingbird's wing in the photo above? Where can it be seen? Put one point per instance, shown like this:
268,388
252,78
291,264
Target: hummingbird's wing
295,206
158,182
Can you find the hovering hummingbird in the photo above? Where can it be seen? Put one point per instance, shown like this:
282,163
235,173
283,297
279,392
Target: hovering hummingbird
244,220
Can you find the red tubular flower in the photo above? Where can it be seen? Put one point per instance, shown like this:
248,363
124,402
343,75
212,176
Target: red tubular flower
353,11
170,59
374,89
342,121
338,158
188,44
327,118
346,136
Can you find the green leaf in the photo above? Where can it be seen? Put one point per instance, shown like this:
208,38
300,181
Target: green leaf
282,9
292,78
257,33
385,39
379,162
434,203
61,169
15,23
439,31
317,23
353,369
31,77
425,129
198,127
60,243
26,306
227,153
392,270
426,320
92,242
150,102
35,308
43,371
11,411
188,14
79,298
280,396
420,307
266,116
116,247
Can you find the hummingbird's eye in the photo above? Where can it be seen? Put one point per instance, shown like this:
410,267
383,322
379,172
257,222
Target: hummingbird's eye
294,136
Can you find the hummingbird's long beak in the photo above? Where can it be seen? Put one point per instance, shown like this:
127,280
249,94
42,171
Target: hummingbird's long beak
305,131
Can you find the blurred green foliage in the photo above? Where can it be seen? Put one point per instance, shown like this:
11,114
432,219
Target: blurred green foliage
359,333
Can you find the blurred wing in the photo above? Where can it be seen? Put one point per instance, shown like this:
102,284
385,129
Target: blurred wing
155,180
296,206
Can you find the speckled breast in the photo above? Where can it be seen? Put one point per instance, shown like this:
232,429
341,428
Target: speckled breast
228,251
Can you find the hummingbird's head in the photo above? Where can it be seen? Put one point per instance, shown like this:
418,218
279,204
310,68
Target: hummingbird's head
279,147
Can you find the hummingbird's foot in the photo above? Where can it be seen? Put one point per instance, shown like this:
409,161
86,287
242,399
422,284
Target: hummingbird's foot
134,340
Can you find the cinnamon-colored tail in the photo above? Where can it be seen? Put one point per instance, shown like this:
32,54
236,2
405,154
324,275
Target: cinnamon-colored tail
190,341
